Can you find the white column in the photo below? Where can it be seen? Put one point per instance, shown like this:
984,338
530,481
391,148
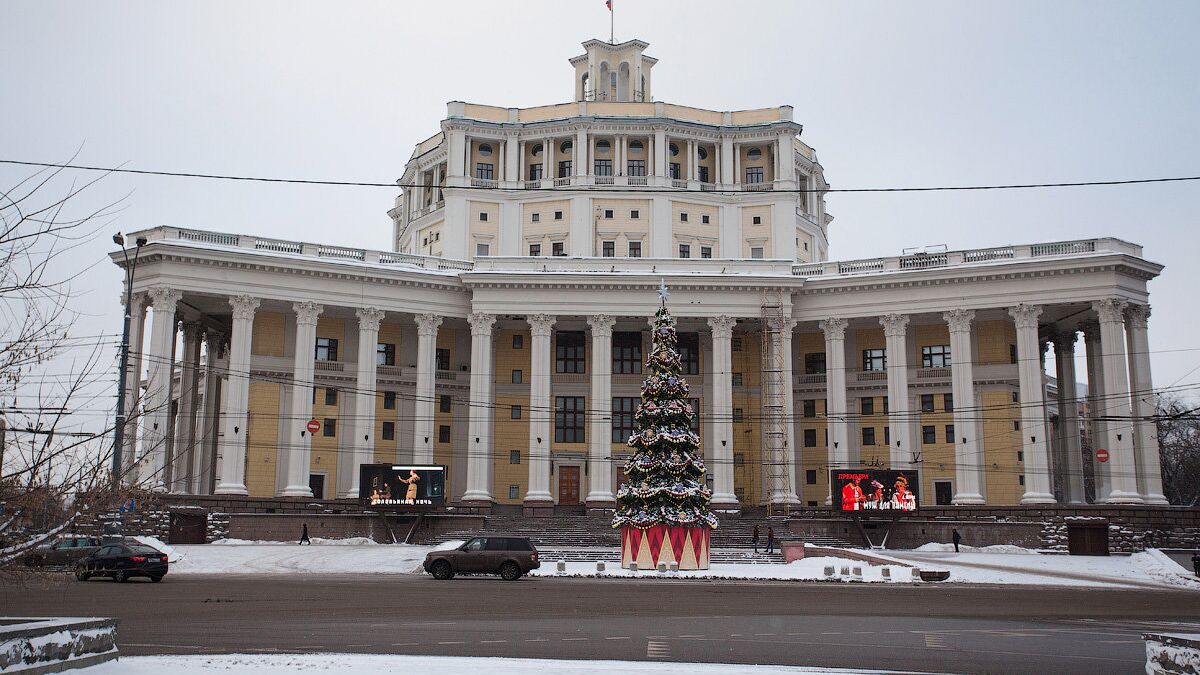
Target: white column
512,160
156,431
479,440
1146,433
362,424
737,165
590,159
133,385
1097,426
835,394
1033,408
722,406
456,154
789,411
206,427
901,414
296,439
185,420
540,411
968,451
1115,405
581,153
237,399
727,167
1068,417
427,327
548,172
600,491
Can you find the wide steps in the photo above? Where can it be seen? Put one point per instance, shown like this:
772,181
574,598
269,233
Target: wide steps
549,556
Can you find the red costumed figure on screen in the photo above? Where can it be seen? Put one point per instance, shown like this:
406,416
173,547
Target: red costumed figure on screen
903,499
852,495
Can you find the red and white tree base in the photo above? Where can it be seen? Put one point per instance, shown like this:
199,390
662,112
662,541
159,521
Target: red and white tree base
686,546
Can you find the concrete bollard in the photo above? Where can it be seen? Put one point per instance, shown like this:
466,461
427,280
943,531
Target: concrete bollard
674,567
887,573
845,571
562,567
829,570
916,574
600,566
662,568
857,572
633,567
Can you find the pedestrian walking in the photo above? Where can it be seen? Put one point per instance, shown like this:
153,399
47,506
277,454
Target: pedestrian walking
957,538
754,538
770,540
304,536
1196,563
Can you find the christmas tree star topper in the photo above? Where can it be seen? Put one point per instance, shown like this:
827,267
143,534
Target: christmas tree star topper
662,291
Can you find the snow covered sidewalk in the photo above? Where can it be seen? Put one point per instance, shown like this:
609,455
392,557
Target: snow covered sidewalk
325,556
282,664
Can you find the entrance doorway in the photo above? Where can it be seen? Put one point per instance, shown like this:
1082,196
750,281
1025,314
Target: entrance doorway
316,483
568,485
943,492
187,528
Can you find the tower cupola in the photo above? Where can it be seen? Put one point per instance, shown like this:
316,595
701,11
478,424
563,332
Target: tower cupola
613,72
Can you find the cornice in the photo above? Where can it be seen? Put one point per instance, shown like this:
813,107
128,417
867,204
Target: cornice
552,281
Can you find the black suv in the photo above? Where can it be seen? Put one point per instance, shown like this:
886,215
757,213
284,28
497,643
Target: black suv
510,557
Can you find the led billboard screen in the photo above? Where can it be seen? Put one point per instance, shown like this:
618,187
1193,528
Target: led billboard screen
402,485
874,490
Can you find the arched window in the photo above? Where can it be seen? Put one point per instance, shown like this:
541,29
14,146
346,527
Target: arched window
603,146
485,150
622,93
674,149
635,147
754,153
583,91
702,153
537,150
565,147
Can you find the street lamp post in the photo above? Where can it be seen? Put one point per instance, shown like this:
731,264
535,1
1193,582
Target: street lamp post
119,432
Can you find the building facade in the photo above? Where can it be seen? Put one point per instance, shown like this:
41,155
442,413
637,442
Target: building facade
504,335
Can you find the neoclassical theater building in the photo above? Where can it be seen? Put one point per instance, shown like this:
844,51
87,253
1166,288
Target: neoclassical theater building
503,335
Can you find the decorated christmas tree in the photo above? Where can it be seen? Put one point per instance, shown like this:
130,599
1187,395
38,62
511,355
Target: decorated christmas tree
663,506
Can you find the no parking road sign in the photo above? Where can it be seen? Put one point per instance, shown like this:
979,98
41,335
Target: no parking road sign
1102,455
314,426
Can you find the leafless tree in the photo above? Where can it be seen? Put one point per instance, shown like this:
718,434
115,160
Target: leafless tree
1179,441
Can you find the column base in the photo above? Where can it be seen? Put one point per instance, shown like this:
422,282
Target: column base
538,505
349,494
1038,498
295,491
1155,500
968,499
477,498
482,507
600,505
230,489
1119,497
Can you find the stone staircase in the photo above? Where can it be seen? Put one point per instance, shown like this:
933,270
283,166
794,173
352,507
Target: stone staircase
726,556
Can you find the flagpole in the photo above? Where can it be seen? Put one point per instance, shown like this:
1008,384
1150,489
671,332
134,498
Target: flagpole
612,23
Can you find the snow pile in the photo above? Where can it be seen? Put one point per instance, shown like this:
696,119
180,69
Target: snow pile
1053,570
1159,565
173,555
317,541
994,548
273,558
285,664
807,569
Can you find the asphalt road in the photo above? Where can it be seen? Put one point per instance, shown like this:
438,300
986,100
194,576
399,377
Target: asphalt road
968,629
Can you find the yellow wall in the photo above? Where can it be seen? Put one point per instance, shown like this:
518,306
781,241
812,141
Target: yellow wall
937,458
484,231
262,438
429,239
695,231
325,448
621,228
496,159
1001,443
757,235
994,338
511,434
547,230
747,434
765,160
268,334
814,458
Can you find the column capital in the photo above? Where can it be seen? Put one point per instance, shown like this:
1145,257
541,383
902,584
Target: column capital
216,341
1110,310
894,325
959,320
834,328
722,326
540,324
427,324
138,301
1064,341
782,323
1137,315
164,299
369,318
602,325
244,306
481,323
1090,329
1025,316
307,312
192,331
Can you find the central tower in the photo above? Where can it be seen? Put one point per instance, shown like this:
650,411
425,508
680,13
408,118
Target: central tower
613,72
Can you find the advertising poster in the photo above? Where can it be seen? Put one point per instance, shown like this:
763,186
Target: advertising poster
402,485
874,490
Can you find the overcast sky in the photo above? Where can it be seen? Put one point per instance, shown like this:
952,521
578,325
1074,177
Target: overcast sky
890,94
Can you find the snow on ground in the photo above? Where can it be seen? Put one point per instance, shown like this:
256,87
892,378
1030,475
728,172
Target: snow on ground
995,548
157,544
325,557
317,541
809,569
284,664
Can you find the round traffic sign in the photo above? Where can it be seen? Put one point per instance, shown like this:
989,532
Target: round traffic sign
313,426
1101,455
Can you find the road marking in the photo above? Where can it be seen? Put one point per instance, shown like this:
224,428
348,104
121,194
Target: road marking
358,645
657,650
492,642
538,640
451,642
405,644
935,641
691,636
832,633
311,647
431,623
147,644
764,634
788,634
735,635
574,639
618,637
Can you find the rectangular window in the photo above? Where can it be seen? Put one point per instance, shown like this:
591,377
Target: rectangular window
704,220
754,174
756,252
535,250
737,379
608,214
389,400
558,215
535,172
887,436
935,356
514,412
518,341
443,433
885,405
483,216
636,167
694,425
1020,456
514,457
603,167
329,428
809,407
757,220
516,377
868,436
810,438
674,169
810,477
1021,479
928,434
608,249
689,352
738,415
866,405
627,353
948,402
735,344
568,419
327,349
484,171
330,396
739,459
388,432
1012,358
926,402
814,363
634,214
683,217
705,252
445,403
635,249
702,172
623,426
739,493
569,352
1016,425
482,250
556,248
685,251
564,169
875,359
950,434
442,357
514,491
536,217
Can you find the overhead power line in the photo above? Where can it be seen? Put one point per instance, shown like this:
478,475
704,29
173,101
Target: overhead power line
395,184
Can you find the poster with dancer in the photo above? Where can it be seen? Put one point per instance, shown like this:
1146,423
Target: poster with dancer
874,490
402,485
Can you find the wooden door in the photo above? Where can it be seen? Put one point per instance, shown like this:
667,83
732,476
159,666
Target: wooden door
568,485
187,528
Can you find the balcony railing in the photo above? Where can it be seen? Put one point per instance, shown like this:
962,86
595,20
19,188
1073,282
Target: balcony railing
757,187
679,183
533,184
932,373
562,182
638,180
708,187
329,366
605,180
871,375
484,183
818,378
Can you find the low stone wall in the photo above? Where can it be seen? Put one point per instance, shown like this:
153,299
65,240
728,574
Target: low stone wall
1168,654
33,646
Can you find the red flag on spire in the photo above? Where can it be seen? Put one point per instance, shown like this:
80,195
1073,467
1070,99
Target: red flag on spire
608,4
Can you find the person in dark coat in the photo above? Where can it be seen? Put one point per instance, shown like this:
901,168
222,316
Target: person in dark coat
304,536
754,538
1196,563
957,539
770,540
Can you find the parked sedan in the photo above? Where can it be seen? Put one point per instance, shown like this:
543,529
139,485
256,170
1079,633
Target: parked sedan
510,557
63,551
123,561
